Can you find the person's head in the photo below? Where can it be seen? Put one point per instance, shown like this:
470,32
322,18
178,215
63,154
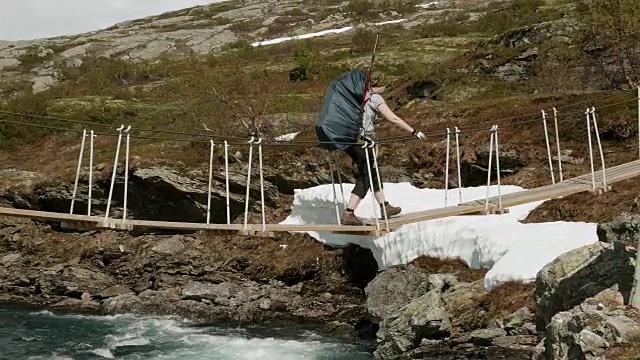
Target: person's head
378,82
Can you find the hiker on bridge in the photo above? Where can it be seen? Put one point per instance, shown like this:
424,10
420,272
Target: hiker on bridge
348,116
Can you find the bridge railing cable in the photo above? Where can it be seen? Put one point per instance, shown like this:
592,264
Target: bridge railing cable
282,142
371,159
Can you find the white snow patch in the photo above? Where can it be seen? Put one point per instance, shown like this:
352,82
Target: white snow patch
316,34
287,137
429,5
510,249
303,36
390,22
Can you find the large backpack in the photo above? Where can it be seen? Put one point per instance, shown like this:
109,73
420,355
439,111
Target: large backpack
340,119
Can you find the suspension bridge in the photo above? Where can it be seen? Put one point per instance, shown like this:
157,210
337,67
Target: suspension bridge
597,182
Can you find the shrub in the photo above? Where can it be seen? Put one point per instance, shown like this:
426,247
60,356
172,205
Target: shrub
306,59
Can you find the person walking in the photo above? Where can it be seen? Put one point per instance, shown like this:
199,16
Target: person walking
374,103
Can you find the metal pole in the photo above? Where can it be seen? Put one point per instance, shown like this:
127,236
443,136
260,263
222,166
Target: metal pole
459,169
264,220
446,172
595,128
546,136
75,185
486,203
90,173
113,176
375,165
210,181
226,176
593,173
333,187
373,195
639,121
495,138
246,201
344,200
555,121
126,176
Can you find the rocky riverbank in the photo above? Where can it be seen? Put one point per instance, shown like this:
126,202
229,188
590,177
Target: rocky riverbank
576,309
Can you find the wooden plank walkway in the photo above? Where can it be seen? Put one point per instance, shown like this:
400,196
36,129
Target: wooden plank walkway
567,187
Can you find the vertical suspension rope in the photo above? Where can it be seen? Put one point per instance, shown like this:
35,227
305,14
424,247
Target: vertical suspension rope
555,121
126,176
375,165
639,121
458,164
246,200
546,137
226,178
373,195
114,171
593,173
211,147
75,185
495,138
264,219
344,199
333,187
595,128
90,200
446,171
486,202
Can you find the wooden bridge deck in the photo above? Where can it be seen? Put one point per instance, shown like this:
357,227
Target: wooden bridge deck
564,188
567,187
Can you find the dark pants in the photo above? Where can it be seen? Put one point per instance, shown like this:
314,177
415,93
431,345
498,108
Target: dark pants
357,154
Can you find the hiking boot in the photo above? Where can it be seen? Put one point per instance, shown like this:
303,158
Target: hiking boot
391,210
349,218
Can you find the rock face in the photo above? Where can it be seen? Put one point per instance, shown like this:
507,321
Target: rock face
443,320
581,274
476,164
393,289
154,194
586,332
423,318
625,229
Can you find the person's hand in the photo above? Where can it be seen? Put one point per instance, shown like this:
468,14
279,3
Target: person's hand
418,134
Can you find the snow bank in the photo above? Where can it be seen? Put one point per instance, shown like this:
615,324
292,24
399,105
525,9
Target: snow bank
510,249
319,33
287,137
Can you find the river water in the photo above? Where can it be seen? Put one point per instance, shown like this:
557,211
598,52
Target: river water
32,334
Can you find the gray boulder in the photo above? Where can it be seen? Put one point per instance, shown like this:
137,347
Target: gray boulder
585,332
393,289
625,228
581,274
423,318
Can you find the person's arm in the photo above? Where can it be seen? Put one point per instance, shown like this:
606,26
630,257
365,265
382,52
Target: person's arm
391,116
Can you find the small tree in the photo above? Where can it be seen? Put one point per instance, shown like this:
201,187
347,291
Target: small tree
306,59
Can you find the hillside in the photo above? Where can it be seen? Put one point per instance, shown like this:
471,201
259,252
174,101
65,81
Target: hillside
458,63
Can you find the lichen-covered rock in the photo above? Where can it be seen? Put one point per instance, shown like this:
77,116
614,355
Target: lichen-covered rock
585,332
625,228
581,274
393,289
424,318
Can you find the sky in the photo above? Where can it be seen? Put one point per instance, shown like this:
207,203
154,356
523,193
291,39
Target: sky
34,19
